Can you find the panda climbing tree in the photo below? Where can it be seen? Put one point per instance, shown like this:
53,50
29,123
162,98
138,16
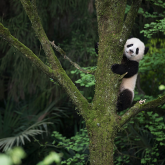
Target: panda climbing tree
134,50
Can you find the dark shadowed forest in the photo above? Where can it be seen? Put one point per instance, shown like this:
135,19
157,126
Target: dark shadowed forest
35,111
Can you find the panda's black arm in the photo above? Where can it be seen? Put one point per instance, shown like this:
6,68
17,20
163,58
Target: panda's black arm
131,67
119,69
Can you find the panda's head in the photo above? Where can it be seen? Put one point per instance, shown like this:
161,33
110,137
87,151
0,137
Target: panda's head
134,49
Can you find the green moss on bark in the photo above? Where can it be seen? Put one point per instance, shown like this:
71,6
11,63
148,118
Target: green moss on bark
104,122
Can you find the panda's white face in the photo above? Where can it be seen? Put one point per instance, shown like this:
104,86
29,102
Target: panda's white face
134,49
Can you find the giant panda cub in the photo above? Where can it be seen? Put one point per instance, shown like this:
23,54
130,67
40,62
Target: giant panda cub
134,51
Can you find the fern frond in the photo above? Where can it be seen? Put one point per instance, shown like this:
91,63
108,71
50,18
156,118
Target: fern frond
19,139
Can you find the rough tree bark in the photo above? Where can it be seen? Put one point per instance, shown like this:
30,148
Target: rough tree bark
100,116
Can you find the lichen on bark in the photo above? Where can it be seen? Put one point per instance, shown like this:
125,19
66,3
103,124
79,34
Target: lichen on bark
110,29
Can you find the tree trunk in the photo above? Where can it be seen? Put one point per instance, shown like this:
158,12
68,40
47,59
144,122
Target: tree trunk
101,144
104,127
103,122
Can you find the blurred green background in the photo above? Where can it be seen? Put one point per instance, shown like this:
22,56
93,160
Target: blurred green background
37,114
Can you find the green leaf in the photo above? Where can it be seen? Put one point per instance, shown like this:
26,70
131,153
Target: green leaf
143,161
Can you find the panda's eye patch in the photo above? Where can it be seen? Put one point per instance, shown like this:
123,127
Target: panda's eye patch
129,45
137,50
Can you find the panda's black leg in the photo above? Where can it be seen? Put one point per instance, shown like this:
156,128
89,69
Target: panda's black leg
124,100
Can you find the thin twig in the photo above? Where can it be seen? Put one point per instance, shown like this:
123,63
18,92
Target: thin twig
121,76
58,49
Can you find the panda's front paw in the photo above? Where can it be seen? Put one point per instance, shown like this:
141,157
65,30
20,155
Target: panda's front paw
114,68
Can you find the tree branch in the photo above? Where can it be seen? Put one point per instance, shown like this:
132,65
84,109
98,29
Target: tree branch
140,107
31,11
58,49
130,19
5,34
59,74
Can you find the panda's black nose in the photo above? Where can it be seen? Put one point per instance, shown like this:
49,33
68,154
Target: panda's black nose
131,50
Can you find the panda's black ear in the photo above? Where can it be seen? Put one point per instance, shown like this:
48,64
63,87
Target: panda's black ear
146,50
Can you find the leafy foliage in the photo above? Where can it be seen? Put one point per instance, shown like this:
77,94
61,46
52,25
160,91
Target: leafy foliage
153,27
152,68
138,142
135,144
156,26
86,80
20,122
77,147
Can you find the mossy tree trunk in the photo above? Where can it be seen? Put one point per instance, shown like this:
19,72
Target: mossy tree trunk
112,36
100,116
